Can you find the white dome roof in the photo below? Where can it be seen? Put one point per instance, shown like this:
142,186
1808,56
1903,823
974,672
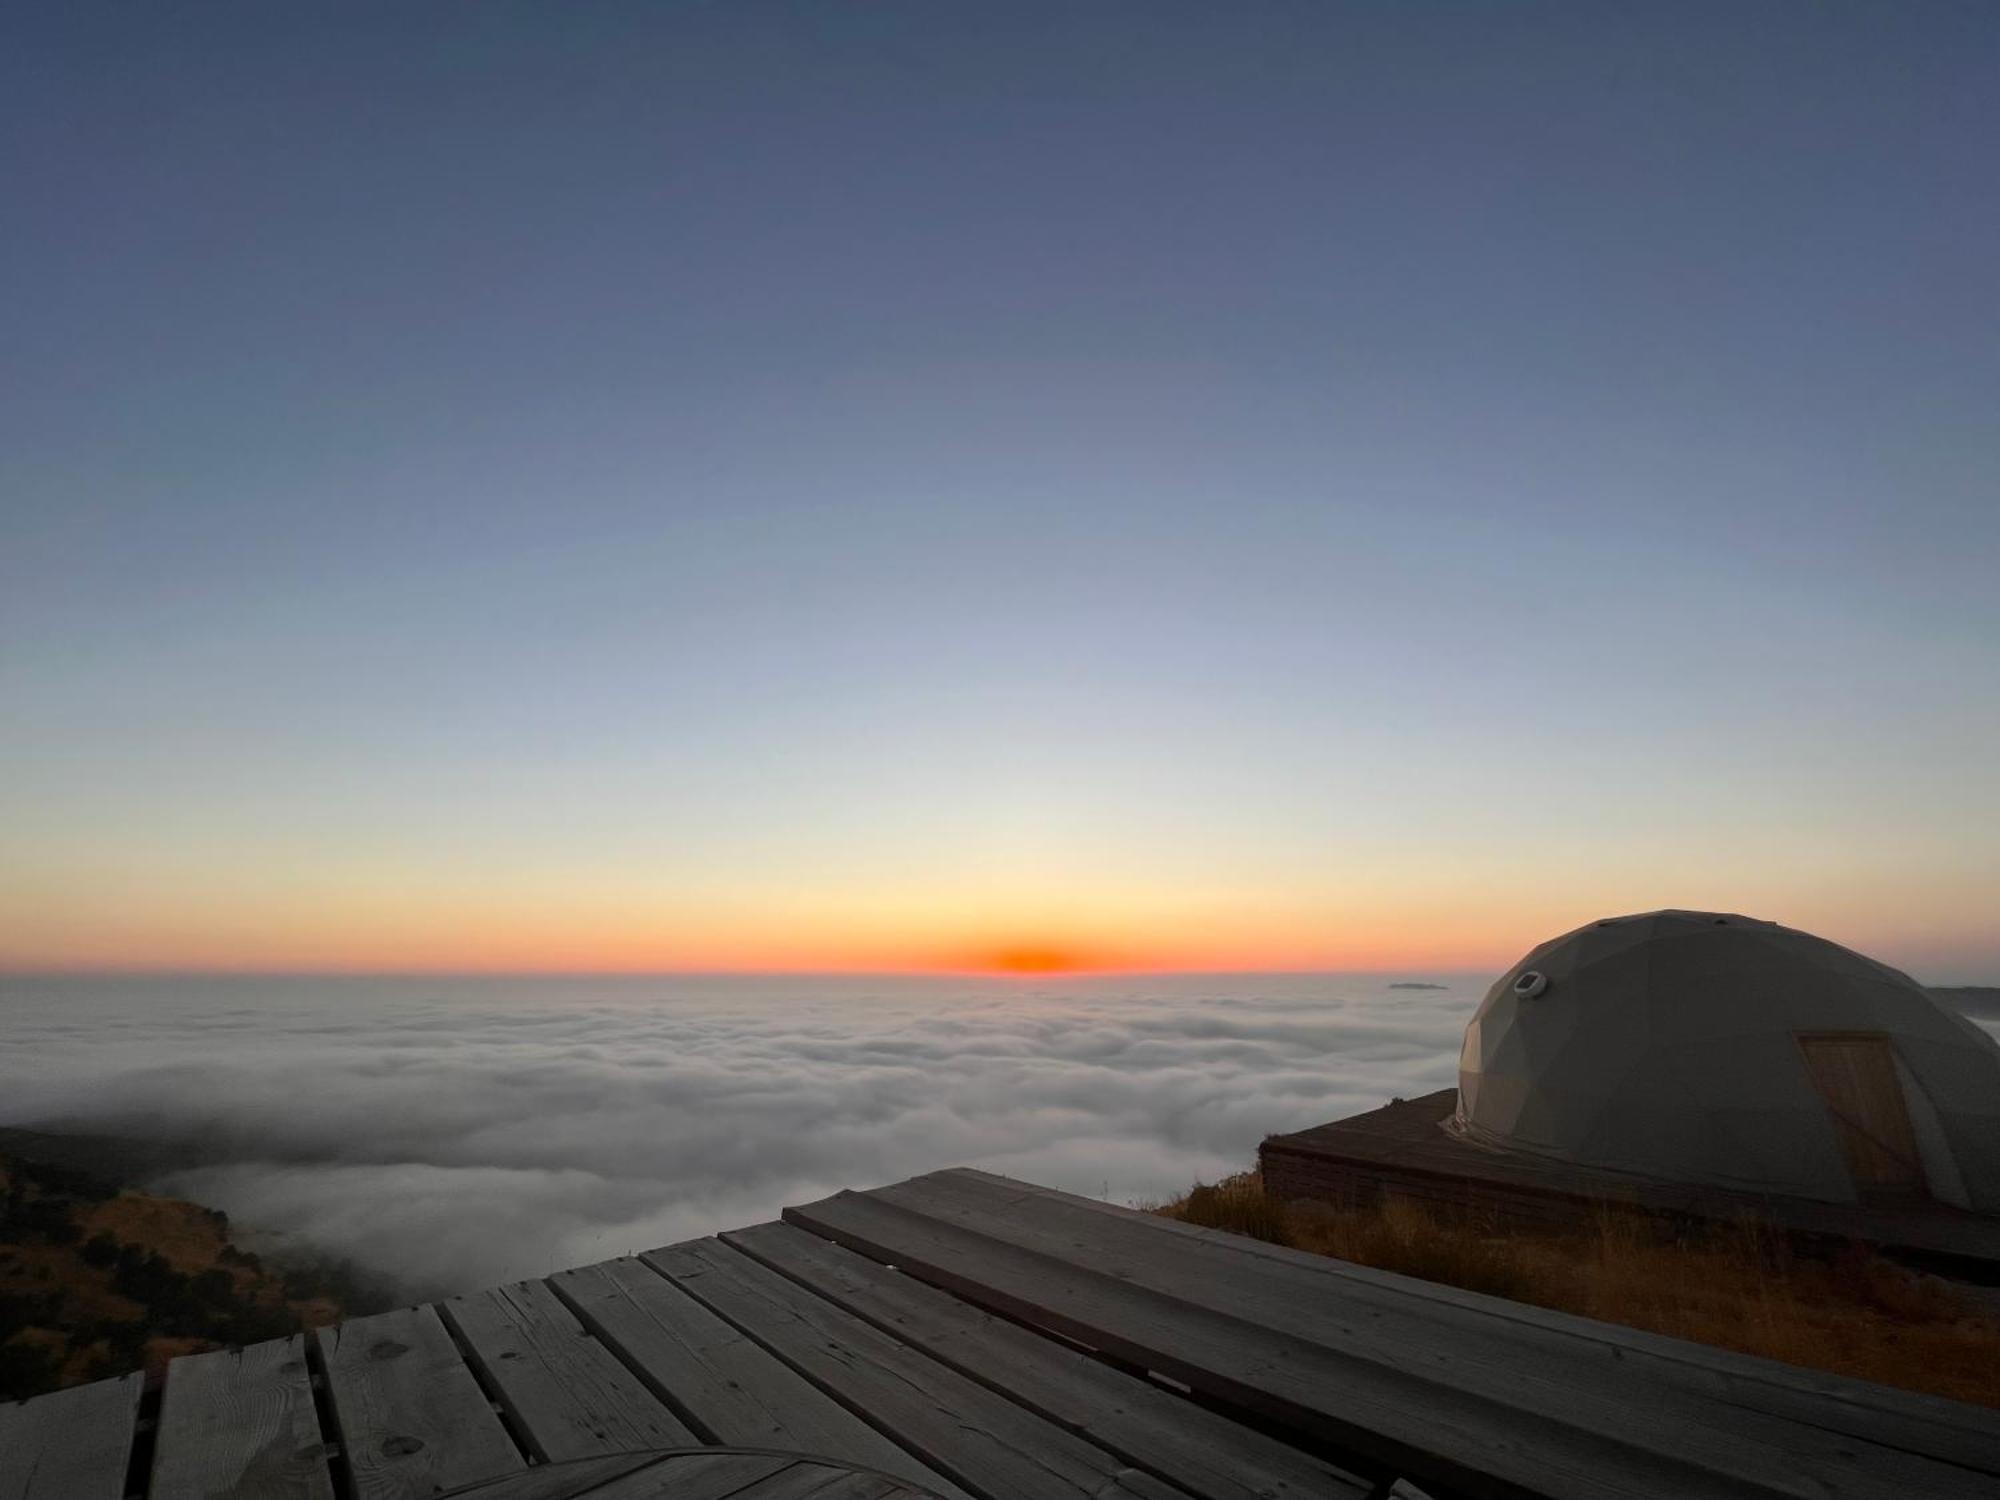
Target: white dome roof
1705,1047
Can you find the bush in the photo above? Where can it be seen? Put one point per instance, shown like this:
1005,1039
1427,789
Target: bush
18,1312
27,1370
99,1250
38,1219
62,1182
148,1279
215,1286
1240,1205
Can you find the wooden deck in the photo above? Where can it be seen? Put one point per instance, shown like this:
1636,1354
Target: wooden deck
968,1335
1401,1149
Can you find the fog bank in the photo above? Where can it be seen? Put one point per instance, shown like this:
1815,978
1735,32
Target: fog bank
457,1133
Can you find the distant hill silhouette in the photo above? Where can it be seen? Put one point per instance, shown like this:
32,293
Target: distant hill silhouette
1981,1000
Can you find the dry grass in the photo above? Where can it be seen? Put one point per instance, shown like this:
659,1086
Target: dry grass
186,1236
72,1308
1742,1287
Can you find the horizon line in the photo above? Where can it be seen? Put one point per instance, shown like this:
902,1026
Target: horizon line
185,971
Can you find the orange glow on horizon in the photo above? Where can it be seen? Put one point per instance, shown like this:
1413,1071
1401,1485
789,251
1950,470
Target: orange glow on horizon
1031,958
349,922
603,952
354,922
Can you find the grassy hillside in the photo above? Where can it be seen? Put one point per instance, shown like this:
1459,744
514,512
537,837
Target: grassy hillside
1742,1287
96,1280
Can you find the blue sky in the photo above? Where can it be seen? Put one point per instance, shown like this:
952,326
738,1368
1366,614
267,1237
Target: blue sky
796,484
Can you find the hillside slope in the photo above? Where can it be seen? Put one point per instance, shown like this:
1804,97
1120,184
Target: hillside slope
97,1280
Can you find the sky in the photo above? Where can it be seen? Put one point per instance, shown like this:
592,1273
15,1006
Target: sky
928,486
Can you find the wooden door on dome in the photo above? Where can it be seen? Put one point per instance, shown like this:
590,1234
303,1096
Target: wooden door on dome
1856,1078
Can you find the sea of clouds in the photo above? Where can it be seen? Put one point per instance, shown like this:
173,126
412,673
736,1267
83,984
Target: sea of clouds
458,1133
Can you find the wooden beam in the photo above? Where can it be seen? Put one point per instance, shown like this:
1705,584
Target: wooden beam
732,1390
412,1419
1432,1403
1150,1428
1488,1337
981,1440
240,1423
70,1445
569,1396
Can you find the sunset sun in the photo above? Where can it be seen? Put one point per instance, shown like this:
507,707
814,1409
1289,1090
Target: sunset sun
1034,958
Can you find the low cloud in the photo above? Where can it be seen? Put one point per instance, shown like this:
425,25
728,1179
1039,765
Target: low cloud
454,1134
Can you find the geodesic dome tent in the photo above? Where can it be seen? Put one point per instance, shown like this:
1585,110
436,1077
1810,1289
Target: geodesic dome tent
1710,1048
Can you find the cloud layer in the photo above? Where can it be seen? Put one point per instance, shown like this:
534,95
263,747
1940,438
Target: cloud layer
459,1133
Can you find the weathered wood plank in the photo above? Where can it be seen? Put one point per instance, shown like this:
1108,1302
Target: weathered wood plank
1558,1362
569,1396
240,1422
1420,1412
1202,1451
1951,1430
981,1440
709,1476
694,1475
412,1419
727,1387
809,1481
70,1445
564,1481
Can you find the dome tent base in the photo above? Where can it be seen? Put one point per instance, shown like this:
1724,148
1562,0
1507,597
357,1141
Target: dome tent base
1402,1150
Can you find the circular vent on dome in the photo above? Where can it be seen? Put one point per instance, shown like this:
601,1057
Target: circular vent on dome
1531,984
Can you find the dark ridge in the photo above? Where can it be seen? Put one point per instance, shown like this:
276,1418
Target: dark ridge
1982,1000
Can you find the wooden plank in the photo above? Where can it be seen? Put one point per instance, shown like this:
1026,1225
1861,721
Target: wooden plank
1578,1351
694,1475
723,1385
1404,1425
240,1422
708,1476
70,1445
1482,1333
564,1481
690,1474
569,1396
810,1481
1203,1452
1421,1413
981,1440
1950,1430
412,1419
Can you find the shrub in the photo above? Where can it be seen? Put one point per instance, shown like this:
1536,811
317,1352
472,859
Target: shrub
27,1370
214,1285
1238,1204
99,1250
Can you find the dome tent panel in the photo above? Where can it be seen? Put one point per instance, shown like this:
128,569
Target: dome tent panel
1672,1044
1501,1097
1751,1107
1965,1098
1940,1162
1644,1126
